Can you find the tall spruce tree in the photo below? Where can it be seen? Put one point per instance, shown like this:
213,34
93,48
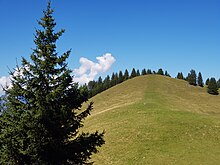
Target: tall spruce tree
126,75
133,73
160,71
120,77
138,73
113,79
212,87
116,78
200,80
91,85
149,71
100,87
218,83
167,74
143,72
107,82
42,119
207,81
180,75
192,77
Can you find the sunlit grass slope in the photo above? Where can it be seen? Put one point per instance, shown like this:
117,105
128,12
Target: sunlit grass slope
157,120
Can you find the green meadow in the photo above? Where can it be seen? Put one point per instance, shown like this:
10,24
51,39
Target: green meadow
156,120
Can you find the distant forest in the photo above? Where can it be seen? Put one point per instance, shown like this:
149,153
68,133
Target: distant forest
95,87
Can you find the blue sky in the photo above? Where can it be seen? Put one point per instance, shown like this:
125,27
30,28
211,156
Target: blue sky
176,35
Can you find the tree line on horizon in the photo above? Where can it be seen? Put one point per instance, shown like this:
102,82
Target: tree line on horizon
97,86
193,79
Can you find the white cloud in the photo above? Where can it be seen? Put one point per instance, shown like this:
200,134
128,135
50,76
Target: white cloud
4,81
85,73
89,69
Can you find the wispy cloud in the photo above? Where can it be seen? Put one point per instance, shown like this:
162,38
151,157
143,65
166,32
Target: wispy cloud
89,69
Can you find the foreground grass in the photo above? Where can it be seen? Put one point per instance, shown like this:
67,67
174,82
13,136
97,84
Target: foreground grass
148,120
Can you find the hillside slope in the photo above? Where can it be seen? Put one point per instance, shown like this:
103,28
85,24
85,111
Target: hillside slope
157,120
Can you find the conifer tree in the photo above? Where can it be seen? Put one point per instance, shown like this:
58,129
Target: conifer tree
99,80
133,73
187,77
167,74
160,72
107,82
120,77
180,75
91,85
113,80
99,85
192,77
200,80
143,72
42,119
212,87
126,75
207,81
138,73
149,71
116,78
218,83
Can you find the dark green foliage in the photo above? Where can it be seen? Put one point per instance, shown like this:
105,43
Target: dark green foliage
91,85
180,75
212,87
187,77
207,81
120,77
107,82
133,73
200,80
218,83
138,73
99,80
113,79
167,74
149,71
2,101
100,85
126,75
41,122
160,72
192,77
116,78
143,72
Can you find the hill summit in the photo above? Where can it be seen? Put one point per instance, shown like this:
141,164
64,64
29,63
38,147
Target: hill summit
157,120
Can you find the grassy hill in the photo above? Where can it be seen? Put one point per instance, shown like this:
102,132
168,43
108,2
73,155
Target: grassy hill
157,120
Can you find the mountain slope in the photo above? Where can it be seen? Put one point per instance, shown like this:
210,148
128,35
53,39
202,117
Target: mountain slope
157,120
